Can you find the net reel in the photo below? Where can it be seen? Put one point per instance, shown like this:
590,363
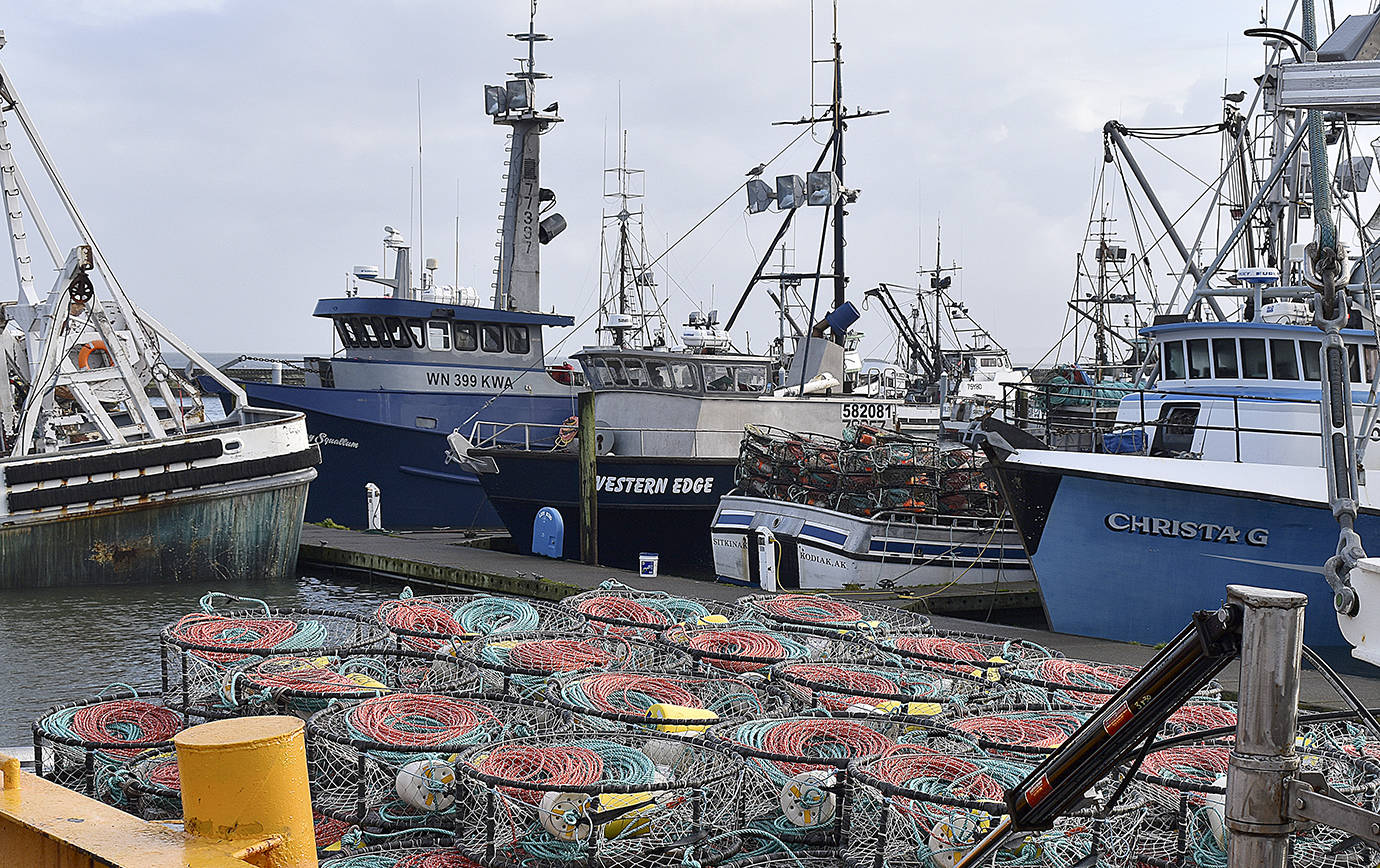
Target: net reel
200,651
618,609
389,762
596,798
438,623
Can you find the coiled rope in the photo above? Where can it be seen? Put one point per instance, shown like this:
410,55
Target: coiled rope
743,649
855,682
133,725
230,634
413,720
812,743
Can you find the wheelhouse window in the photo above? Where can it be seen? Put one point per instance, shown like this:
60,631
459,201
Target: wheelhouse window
346,329
683,376
1174,360
637,375
1224,365
417,329
658,377
1284,362
616,373
466,336
1310,351
397,332
370,330
491,337
718,378
1199,367
519,341
1254,365
752,378
1354,363
438,335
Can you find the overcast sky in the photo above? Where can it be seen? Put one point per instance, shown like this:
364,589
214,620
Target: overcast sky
236,157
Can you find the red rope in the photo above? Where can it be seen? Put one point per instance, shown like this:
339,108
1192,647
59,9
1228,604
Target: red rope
615,608
417,720
435,859
125,721
422,616
963,653
550,768
857,683
1191,766
300,674
328,830
1065,674
906,765
1049,730
166,775
558,655
811,609
219,631
820,739
726,644
625,693
1191,717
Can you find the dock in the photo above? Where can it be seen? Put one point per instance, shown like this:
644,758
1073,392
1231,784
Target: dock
462,562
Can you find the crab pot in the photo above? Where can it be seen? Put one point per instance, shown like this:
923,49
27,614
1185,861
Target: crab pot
438,623
388,763
519,664
200,652
923,695
971,654
1020,734
84,744
152,785
918,807
302,685
673,702
795,785
1185,795
749,649
602,798
402,855
618,609
822,615
1063,682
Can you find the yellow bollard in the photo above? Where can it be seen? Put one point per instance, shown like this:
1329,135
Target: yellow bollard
244,780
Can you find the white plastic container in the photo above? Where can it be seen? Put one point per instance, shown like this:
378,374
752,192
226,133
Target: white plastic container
647,563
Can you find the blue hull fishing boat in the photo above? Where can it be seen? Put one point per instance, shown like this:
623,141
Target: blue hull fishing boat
426,359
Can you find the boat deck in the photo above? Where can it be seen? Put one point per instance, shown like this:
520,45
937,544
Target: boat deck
461,561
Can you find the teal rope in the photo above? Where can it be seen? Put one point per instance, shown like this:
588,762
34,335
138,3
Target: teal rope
485,616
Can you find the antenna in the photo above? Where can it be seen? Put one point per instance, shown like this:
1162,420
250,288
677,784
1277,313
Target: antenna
421,219
457,234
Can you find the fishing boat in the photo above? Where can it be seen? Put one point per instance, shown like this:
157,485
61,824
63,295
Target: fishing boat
424,359
874,510
112,471
1217,469
669,420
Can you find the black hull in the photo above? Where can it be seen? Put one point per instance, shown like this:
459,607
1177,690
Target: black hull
662,505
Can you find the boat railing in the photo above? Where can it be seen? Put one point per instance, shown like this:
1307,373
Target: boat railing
551,437
1085,418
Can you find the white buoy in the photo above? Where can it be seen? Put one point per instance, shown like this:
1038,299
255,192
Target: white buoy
426,784
373,506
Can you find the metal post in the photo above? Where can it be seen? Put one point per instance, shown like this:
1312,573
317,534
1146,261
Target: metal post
589,498
1263,760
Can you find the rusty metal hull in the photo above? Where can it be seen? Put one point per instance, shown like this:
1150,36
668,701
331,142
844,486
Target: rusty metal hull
243,531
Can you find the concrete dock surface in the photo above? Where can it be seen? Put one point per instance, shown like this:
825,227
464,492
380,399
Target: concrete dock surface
434,561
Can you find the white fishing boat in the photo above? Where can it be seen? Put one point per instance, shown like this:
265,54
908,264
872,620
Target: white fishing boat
111,470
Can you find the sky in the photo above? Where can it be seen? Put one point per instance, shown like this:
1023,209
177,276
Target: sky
235,158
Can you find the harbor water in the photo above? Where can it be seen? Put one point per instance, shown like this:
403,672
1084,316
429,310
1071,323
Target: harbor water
62,644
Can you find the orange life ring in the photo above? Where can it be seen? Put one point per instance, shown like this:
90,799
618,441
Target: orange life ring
84,354
569,429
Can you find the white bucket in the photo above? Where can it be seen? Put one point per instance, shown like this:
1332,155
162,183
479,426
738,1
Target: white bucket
647,563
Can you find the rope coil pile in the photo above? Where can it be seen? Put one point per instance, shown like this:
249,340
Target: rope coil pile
435,623
819,613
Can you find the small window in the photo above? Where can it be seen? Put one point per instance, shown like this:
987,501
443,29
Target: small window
416,328
1284,362
438,335
1174,360
1355,363
491,337
599,373
658,377
1312,361
1175,429
1224,359
466,336
1370,355
637,376
1253,362
426,422
518,340
683,377
718,378
381,330
616,373
1199,367
752,378
987,362
369,330
346,330
397,332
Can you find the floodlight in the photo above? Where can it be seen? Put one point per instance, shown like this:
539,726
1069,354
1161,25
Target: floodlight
790,192
520,95
759,196
822,188
495,99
